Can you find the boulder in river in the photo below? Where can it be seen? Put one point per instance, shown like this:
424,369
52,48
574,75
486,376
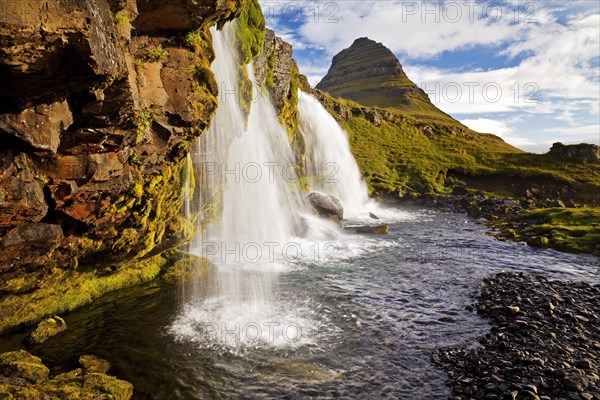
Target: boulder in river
374,230
326,205
46,329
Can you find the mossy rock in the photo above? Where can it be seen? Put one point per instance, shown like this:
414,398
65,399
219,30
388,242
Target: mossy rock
21,364
185,267
117,388
46,329
94,364
24,376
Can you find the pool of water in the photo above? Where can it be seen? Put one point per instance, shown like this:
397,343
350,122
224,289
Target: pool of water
359,322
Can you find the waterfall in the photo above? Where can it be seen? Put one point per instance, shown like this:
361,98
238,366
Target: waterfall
248,189
329,161
256,221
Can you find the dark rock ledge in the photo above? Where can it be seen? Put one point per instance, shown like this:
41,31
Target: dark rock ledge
544,342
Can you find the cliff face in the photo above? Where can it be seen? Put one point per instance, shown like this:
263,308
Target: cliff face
369,73
95,125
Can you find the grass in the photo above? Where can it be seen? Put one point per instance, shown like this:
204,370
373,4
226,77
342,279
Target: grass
574,230
157,54
399,155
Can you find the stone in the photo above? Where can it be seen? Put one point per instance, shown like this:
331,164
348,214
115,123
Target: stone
325,205
27,242
21,364
577,152
40,125
94,364
58,47
178,15
375,230
21,193
540,241
584,364
281,52
118,389
46,329
460,191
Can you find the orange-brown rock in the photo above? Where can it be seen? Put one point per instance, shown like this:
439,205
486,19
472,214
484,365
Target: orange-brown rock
40,126
21,193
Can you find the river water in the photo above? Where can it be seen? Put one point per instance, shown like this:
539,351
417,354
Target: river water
361,323
294,306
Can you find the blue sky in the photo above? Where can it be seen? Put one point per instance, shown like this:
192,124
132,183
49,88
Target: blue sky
528,71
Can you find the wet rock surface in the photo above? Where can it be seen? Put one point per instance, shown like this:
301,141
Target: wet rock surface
95,127
24,376
326,206
544,342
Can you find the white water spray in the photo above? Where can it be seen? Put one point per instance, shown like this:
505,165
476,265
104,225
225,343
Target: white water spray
329,161
247,181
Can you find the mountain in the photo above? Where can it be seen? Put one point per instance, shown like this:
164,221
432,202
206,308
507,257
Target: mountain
369,73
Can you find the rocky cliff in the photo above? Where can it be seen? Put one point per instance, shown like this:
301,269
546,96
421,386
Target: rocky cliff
369,73
99,104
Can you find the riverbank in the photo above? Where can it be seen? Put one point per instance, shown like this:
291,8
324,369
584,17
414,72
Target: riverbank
549,223
543,342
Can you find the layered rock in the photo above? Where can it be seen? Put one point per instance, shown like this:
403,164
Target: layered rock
278,72
95,125
582,152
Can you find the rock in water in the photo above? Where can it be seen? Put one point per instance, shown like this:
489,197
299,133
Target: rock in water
24,376
375,230
326,206
46,329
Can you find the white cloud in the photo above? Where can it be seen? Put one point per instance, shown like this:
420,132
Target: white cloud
502,129
556,46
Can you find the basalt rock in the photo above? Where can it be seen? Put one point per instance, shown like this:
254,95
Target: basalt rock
326,206
543,337
578,152
95,127
273,66
21,193
40,126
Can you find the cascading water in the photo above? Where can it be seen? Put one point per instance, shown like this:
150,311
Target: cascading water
329,161
246,180
257,220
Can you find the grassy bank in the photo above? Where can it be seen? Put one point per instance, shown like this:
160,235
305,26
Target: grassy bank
573,230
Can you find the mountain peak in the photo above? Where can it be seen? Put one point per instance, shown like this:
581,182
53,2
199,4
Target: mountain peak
369,73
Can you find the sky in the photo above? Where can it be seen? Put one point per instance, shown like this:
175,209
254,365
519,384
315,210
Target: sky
528,71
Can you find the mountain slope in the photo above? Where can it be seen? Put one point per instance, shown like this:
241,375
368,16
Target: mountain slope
369,73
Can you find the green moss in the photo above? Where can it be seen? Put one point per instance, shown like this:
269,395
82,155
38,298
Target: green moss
288,115
185,266
573,229
251,31
122,19
103,383
62,291
144,120
21,364
404,154
251,39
